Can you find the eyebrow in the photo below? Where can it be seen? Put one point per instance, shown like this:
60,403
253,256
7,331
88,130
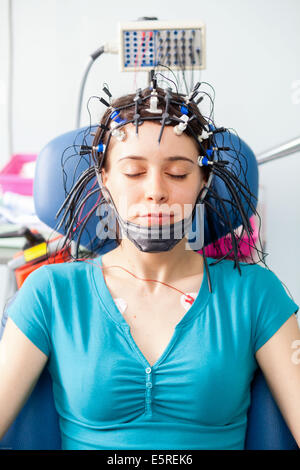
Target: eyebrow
172,159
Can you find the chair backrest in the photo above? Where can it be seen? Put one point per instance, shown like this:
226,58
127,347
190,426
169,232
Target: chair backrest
266,428
37,426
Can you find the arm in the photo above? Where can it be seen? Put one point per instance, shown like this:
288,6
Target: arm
279,360
21,364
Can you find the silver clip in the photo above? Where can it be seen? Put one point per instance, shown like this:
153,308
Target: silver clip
153,104
178,130
204,135
206,161
117,133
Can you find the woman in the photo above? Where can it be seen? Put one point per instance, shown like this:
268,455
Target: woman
148,348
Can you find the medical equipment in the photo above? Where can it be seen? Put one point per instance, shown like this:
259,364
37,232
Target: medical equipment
148,43
145,44
229,197
181,112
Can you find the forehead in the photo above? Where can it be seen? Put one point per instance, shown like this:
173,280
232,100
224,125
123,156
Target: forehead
146,144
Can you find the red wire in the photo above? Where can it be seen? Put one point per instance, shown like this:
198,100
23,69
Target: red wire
190,298
146,45
80,221
137,56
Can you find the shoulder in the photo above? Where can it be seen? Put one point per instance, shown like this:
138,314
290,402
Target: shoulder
228,270
52,278
61,270
255,278
261,285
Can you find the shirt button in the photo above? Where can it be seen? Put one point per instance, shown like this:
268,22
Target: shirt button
148,370
149,385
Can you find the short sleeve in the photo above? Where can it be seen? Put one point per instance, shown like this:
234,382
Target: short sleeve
272,306
30,309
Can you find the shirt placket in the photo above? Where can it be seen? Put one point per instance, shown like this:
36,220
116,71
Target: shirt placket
148,394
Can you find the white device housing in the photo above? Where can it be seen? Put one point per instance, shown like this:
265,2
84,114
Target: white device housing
144,44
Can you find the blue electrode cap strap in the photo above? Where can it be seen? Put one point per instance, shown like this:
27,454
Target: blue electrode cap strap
184,109
100,147
115,116
204,161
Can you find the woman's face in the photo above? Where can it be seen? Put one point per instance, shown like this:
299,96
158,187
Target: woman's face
153,183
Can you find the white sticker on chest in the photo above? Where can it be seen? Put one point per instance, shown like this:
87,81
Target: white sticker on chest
185,301
121,304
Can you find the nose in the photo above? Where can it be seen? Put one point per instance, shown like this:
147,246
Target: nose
156,190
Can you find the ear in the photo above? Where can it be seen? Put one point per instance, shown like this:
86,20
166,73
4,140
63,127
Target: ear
105,192
104,176
203,183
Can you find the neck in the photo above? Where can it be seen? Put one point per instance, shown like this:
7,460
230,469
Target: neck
169,266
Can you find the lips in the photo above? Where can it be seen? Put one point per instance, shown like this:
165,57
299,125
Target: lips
159,215
153,219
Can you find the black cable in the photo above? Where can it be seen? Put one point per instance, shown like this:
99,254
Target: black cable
71,223
84,225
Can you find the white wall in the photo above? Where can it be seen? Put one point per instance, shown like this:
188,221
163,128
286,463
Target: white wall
5,90
252,61
281,195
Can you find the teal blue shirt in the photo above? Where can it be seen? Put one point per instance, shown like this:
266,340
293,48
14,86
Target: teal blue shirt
107,395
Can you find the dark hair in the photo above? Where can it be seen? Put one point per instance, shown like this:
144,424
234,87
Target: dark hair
126,107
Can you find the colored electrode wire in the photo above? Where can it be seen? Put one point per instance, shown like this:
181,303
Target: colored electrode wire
190,299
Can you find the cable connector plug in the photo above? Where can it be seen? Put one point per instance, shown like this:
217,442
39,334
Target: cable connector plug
181,127
111,47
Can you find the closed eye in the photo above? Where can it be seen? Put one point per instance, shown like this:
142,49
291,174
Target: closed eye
172,176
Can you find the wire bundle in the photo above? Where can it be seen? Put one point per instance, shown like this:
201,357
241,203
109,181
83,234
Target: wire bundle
227,211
